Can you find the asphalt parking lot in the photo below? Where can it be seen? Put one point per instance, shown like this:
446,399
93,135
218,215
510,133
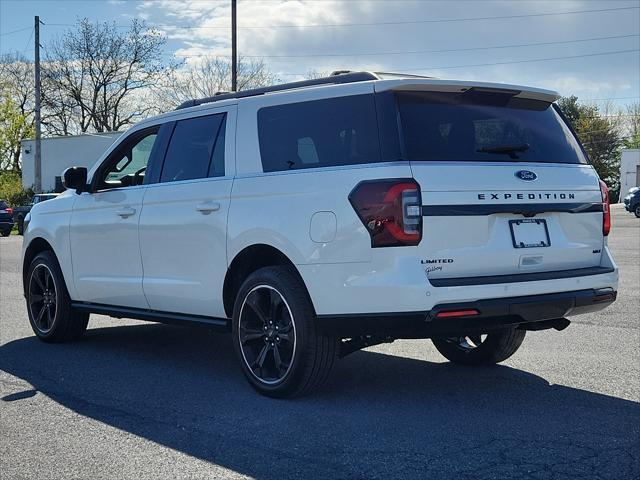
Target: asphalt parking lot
142,400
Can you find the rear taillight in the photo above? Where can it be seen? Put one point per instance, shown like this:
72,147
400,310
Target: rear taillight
606,218
10,210
391,211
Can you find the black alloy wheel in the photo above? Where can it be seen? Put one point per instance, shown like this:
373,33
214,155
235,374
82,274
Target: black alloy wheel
282,350
267,334
51,315
42,298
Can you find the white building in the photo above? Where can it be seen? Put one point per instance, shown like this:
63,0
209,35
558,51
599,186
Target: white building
59,153
629,170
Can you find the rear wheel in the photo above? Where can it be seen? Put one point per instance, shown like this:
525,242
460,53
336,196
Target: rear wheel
281,349
48,304
6,233
480,349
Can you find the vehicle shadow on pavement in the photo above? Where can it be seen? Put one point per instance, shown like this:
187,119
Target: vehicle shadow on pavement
380,416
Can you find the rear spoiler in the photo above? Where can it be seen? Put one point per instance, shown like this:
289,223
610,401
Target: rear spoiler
434,85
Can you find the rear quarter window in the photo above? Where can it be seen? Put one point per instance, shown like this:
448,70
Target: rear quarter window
321,133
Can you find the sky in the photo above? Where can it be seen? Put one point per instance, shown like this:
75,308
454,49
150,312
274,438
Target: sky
588,48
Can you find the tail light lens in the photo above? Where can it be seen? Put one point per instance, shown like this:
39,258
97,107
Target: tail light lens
10,210
391,211
606,218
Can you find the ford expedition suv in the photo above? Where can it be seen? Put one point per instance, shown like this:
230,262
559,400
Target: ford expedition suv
320,217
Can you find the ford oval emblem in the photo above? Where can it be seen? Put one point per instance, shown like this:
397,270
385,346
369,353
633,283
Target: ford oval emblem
526,175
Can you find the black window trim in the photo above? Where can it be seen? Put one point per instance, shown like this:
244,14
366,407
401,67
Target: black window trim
119,151
169,136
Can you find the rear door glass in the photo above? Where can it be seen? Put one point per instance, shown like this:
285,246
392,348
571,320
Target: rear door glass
193,151
483,128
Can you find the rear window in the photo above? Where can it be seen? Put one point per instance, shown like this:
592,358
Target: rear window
320,133
3,205
485,127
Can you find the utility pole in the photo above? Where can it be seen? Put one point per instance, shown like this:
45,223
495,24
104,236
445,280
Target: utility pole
38,154
234,49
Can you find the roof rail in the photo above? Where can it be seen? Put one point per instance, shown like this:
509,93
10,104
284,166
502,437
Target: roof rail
342,76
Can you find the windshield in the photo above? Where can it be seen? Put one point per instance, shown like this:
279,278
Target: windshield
483,127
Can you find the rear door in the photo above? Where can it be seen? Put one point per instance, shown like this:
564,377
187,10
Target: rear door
184,217
505,186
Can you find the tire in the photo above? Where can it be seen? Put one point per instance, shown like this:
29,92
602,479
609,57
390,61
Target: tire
52,318
489,349
20,222
6,233
636,210
272,304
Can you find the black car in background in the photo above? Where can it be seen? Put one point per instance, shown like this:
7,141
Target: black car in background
632,201
6,219
19,213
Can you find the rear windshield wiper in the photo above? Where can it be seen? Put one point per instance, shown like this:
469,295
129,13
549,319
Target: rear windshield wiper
510,150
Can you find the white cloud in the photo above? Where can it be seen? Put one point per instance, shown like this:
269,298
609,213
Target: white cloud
208,33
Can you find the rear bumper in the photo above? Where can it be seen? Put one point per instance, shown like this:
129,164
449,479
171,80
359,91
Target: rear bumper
6,224
533,312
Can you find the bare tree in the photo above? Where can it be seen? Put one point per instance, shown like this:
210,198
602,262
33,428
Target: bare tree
312,74
632,124
16,80
94,73
211,75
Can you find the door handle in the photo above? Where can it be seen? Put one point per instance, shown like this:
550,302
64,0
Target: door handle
207,207
126,212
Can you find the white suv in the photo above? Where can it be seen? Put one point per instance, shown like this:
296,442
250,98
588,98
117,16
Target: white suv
316,218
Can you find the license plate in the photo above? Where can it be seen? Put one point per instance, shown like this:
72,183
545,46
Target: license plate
529,233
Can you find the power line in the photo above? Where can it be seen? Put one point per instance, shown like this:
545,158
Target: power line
532,60
15,31
28,41
410,52
609,98
369,24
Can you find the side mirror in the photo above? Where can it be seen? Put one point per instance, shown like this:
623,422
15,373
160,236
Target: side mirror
75,178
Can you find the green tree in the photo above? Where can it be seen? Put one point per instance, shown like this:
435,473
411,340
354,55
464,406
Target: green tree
600,136
14,126
11,189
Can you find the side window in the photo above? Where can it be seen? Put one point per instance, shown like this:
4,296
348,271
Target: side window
196,149
320,133
126,167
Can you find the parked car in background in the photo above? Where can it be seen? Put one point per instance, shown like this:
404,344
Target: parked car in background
19,213
632,201
6,218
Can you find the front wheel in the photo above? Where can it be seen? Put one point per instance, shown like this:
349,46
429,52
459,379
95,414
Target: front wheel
480,349
636,210
48,304
282,350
